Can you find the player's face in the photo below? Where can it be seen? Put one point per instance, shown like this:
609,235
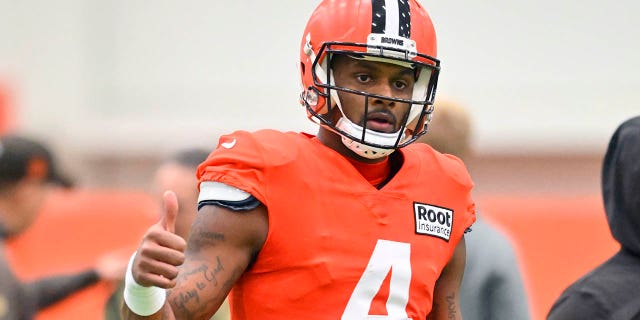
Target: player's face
378,78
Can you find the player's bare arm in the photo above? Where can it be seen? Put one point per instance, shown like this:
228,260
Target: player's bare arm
446,304
221,246
223,243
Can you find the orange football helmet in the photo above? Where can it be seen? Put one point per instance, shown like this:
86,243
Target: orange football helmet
391,31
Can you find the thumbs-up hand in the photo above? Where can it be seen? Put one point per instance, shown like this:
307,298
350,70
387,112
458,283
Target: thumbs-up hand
161,251
170,210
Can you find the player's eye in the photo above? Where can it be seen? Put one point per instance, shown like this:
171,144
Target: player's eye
400,85
363,78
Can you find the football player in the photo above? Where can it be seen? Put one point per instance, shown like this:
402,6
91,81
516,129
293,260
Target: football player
355,222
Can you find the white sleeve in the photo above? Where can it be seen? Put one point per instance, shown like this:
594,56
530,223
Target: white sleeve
212,191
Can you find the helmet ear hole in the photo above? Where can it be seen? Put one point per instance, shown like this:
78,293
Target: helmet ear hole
302,69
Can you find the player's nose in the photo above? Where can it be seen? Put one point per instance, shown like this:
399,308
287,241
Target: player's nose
382,90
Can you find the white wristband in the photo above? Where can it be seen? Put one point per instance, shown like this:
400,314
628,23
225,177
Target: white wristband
143,301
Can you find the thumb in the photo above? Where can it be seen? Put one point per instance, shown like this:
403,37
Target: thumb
170,211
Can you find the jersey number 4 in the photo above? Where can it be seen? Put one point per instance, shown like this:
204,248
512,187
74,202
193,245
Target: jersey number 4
388,256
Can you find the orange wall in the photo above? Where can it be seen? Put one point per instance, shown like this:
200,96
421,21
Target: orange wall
557,240
73,231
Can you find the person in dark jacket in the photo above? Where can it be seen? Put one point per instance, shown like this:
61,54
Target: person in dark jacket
27,173
612,290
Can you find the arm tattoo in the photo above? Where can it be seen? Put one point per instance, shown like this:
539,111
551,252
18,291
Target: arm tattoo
451,306
189,303
195,301
210,277
200,238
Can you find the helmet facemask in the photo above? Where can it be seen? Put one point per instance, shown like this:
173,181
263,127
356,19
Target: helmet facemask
323,104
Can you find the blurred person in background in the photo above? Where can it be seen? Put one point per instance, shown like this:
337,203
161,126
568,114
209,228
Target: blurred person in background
492,286
612,290
27,174
177,173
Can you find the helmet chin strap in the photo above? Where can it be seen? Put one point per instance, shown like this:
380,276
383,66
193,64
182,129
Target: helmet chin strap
371,136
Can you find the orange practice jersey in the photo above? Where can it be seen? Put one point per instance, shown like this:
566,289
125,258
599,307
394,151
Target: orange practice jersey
337,247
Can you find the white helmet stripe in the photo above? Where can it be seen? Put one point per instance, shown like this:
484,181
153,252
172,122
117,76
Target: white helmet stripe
391,17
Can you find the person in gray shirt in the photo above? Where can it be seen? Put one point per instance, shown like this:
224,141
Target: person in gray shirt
492,286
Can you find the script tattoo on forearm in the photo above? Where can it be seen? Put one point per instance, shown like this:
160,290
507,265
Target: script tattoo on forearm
451,306
189,301
208,275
